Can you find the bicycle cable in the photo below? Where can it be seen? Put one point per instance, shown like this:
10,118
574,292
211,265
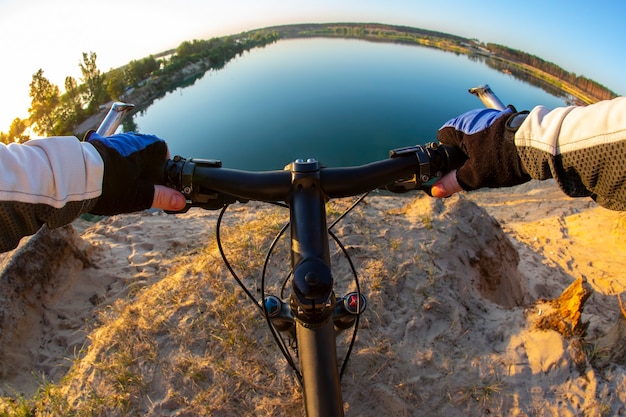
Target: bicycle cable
356,281
277,338
225,259
283,347
358,294
275,333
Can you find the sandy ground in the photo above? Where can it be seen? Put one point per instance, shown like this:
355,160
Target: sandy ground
455,290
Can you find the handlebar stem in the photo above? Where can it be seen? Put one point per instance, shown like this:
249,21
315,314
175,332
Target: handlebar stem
312,298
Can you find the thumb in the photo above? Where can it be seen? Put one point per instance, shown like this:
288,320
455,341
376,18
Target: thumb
168,199
446,186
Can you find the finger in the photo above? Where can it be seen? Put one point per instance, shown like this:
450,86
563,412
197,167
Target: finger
168,199
446,186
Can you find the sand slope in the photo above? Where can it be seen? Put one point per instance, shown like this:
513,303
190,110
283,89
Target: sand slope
136,315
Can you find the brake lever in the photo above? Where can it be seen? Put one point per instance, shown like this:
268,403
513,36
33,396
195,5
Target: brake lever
405,186
428,189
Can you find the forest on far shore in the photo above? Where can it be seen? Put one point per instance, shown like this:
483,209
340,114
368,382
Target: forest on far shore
142,81
508,60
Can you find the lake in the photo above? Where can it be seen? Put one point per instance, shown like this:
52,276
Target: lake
343,102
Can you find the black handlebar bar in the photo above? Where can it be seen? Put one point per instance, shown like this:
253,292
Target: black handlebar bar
206,184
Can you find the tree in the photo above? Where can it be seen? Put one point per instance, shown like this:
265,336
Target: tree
70,110
17,129
44,101
137,71
93,79
116,83
72,91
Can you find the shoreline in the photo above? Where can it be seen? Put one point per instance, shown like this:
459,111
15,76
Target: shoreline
142,97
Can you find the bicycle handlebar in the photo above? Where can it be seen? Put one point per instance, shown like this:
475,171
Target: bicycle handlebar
304,186
206,184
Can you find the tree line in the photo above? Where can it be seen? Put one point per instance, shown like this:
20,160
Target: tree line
593,88
52,113
473,48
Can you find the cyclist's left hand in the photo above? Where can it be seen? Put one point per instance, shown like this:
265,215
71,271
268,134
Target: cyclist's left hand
133,172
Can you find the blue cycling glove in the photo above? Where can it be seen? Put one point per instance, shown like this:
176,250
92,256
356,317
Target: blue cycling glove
487,137
133,163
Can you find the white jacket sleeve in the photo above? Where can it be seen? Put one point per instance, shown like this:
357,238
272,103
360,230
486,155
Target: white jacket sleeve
46,181
583,148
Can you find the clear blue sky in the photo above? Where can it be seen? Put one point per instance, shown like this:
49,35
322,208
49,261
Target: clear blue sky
585,37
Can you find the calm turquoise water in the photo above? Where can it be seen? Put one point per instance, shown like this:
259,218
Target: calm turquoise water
343,102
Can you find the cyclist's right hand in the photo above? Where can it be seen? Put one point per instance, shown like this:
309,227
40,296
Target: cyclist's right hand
487,137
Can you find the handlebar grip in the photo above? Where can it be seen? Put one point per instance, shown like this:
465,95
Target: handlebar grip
433,160
446,159
454,156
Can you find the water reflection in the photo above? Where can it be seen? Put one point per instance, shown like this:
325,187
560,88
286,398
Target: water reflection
344,102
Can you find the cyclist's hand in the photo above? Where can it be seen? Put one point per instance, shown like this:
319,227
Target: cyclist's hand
487,137
133,165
